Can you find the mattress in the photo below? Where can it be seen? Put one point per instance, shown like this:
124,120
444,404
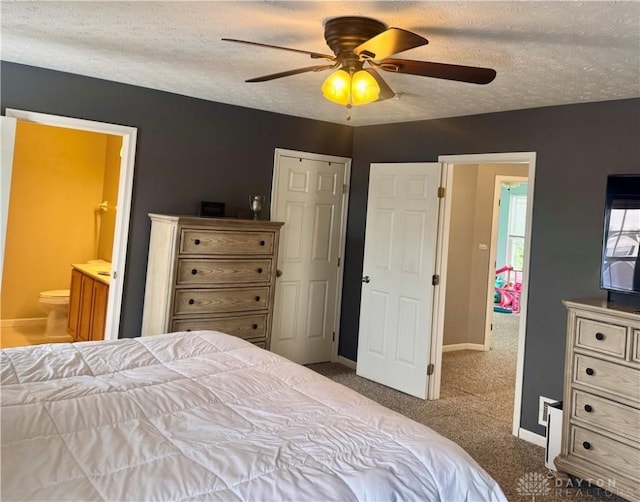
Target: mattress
207,416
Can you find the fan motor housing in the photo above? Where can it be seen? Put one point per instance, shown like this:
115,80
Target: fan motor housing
343,34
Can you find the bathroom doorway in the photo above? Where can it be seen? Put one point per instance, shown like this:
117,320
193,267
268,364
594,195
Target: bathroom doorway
73,207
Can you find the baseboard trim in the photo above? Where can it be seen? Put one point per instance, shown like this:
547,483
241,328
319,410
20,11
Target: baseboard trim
346,362
462,346
532,437
27,322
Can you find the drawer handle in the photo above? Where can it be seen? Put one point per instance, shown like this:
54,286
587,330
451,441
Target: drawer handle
262,243
599,336
590,371
188,329
191,301
259,270
586,445
257,298
588,408
255,326
197,242
194,271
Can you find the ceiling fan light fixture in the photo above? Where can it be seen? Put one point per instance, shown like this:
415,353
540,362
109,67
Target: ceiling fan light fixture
345,89
364,88
337,87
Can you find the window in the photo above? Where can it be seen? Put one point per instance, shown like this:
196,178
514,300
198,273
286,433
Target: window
517,225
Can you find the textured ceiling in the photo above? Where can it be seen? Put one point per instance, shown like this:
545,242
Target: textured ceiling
545,53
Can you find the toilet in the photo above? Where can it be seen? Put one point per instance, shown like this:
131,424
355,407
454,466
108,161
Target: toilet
56,304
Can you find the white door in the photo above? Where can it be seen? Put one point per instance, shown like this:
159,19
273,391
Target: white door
399,263
8,130
309,194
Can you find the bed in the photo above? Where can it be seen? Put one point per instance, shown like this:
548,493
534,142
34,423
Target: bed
207,416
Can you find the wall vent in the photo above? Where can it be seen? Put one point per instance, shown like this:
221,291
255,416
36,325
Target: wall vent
543,410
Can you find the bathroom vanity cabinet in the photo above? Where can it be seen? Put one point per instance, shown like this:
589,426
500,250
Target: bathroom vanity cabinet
87,306
211,274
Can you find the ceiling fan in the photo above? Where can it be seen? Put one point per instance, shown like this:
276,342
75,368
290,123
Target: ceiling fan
362,46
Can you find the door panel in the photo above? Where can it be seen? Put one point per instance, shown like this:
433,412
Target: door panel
399,259
310,201
8,136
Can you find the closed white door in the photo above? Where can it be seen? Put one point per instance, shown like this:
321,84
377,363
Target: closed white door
309,199
399,263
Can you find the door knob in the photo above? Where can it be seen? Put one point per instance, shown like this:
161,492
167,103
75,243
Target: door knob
366,279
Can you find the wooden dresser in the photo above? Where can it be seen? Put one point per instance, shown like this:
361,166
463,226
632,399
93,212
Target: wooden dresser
601,411
211,274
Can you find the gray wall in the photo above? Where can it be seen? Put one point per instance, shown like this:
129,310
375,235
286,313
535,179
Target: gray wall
577,147
188,150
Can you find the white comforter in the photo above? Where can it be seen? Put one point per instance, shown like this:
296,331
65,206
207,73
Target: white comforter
207,416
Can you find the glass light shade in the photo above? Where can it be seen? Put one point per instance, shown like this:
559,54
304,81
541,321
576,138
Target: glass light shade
336,88
364,88
343,89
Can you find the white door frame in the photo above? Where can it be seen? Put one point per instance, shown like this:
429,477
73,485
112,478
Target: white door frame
281,152
125,191
441,269
493,252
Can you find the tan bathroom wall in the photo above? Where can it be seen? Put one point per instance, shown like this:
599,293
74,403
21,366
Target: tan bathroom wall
56,184
107,219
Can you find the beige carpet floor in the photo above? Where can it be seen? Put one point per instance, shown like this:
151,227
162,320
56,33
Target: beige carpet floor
476,411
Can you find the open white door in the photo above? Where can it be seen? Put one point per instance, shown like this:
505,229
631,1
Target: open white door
399,264
8,130
309,196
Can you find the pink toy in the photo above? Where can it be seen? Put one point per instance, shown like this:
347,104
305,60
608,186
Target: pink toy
510,291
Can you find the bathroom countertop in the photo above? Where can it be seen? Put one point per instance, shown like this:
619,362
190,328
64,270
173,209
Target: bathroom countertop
100,271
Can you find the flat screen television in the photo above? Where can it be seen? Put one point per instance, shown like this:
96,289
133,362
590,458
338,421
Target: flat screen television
620,271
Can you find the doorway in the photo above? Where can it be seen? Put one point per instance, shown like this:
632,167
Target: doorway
451,163
127,136
506,257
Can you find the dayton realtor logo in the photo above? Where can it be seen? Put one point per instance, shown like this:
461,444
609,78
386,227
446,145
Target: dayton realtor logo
533,484
540,484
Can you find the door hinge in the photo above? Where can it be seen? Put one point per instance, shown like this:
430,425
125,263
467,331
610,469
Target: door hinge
440,192
435,280
333,339
338,262
430,369
344,188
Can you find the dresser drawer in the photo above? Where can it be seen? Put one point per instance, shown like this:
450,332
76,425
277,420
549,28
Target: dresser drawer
602,337
607,414
211,242
202,271
252,326
607,376
600,450
205,301
635,351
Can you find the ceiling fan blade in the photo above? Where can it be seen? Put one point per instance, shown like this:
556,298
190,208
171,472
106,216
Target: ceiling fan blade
390,41
314,55
385,91
288,73
471,74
